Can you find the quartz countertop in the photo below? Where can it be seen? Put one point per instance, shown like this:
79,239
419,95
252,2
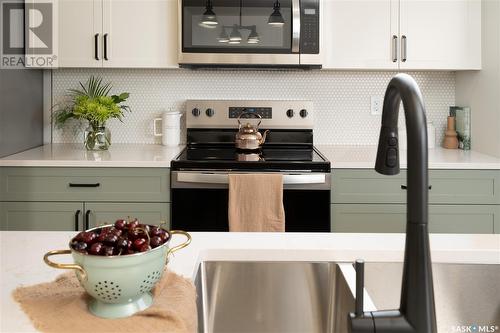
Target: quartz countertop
24,267
363,157
144,155
75,155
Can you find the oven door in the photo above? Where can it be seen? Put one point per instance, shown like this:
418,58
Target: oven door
200,201
239,32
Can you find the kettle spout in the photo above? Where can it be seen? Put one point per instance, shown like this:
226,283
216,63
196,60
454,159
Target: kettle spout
264,137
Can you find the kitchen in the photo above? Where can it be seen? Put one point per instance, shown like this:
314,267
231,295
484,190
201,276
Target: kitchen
253,117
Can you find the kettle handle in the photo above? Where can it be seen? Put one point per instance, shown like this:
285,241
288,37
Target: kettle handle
254,114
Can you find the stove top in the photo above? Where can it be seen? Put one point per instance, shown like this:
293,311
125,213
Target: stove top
269,158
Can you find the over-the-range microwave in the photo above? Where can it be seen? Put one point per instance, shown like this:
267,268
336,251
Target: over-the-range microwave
249,33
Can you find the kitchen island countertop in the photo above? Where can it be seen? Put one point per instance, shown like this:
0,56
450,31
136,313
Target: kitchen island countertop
21,255
147,155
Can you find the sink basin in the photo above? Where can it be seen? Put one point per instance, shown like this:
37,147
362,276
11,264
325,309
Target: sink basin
273,296
465,294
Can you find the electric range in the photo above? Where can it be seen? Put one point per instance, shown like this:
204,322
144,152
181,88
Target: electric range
199,174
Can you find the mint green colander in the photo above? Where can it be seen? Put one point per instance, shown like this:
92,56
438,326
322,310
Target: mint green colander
119,285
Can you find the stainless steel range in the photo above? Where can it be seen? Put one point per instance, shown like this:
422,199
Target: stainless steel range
200,173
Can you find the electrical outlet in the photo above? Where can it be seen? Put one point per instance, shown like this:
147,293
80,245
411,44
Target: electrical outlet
376,105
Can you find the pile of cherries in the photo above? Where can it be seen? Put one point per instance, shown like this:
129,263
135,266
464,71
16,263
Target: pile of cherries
124,237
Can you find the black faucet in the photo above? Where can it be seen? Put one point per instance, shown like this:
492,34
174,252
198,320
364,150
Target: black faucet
416,313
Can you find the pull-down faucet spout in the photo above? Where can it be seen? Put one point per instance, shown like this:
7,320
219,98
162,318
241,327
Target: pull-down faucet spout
417,311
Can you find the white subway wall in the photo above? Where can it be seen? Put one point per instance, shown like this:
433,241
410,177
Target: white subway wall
341,99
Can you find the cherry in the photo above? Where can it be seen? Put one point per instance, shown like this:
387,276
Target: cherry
110,239
155,231
155,241
89,237
80,246
108,250
96,248
145,247
115,231
122,243
138,243
164,235
79,237
144,227
133,224
121,224
135,234
101,237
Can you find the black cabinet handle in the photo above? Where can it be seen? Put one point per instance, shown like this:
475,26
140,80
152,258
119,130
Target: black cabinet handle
106,47
77,220
87,219
84,185
96,46
404,187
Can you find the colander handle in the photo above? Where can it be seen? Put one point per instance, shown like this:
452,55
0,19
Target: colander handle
63,266
180,246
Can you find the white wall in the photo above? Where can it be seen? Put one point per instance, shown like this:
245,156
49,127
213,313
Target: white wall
481,89
341,99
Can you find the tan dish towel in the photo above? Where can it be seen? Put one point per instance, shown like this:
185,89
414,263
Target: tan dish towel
61,306
256,202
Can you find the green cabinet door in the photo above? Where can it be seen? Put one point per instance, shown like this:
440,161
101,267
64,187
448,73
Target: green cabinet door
46,216
104,213
473,219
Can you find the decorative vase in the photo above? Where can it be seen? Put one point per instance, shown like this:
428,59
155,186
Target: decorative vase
97,137
450,136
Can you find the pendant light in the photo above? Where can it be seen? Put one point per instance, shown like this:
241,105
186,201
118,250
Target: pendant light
276,19
209,19
235,35
253,38
223,37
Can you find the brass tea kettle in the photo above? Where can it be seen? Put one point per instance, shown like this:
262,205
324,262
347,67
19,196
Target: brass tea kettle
248,136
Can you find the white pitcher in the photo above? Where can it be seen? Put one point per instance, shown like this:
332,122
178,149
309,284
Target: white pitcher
170,128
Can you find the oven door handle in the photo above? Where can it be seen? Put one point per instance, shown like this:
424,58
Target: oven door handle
295,26
222,178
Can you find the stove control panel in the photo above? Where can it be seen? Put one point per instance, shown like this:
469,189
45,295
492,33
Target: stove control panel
275,114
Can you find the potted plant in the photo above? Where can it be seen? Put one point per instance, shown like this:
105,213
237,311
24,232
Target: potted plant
93,104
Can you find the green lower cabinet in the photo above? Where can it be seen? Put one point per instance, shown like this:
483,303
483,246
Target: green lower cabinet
45,216
150,213
473,219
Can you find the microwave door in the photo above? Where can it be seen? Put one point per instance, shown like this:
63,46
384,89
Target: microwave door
240,32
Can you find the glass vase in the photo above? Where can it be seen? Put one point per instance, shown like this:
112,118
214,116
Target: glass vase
97,138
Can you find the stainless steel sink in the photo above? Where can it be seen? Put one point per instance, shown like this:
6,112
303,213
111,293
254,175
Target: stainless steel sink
465,294
272,297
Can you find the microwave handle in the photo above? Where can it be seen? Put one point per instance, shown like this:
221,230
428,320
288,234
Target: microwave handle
296,26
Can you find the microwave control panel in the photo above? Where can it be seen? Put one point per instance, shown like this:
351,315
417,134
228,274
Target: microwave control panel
309,27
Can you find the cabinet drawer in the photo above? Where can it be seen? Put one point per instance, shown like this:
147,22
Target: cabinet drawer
46,216
447,187
473,219
149,213
85,184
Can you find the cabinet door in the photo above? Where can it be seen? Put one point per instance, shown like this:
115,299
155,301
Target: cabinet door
473,219
140,33
440,34
43,216
105,213
80,32
359,34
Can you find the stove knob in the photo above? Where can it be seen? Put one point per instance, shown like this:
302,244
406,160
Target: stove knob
303,113
196,112
289,113
210,112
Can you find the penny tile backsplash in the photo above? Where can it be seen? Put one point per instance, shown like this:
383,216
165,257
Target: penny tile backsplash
341,99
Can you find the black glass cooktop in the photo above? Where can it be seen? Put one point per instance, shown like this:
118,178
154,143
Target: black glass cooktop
286,158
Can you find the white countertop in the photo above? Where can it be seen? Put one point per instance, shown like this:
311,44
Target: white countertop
75,155
21,255
363,157
143,155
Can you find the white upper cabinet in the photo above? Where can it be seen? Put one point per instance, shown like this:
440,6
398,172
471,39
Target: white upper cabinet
118,33
140,33
360,34
402,34
440,34
80,30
